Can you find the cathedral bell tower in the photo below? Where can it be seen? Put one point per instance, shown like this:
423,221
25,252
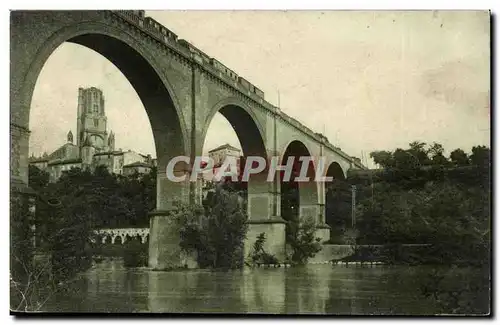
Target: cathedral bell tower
91,119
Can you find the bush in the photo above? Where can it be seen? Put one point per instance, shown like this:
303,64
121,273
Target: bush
259,255
69,242
302,240
215,233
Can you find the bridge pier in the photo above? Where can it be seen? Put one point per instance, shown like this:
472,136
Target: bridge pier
264,217
274,229
316,212
311,198
164,233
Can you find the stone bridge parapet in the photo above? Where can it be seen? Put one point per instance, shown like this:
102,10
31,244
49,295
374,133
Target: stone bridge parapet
123,233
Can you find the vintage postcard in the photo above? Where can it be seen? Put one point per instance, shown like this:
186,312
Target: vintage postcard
250,162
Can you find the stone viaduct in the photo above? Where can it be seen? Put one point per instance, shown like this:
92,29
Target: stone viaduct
109,235
181,88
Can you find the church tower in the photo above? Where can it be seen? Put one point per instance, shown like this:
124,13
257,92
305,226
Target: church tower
91,119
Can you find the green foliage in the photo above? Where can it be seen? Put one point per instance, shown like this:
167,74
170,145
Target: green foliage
216,233
436,153
338,209
437,204
442,207
302,240
420,155
458,157
382,158
480,156
38,179
89,200
109,200
69,241
259,255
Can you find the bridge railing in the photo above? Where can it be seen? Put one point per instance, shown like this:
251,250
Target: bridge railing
123,233
164,35
131,16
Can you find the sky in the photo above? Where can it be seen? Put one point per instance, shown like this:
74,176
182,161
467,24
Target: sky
367,80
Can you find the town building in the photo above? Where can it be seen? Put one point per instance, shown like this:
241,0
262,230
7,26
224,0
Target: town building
136,168
94,145
219,155
223,152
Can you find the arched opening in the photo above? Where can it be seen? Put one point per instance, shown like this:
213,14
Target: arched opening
167,128
118,240
220,143
337,203
250,139
239,124
132,55
299,198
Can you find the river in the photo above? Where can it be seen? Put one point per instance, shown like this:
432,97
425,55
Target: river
313,289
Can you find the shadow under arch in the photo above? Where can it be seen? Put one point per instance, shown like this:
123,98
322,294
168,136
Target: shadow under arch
337,202
334,170
244,122
251,137
299,199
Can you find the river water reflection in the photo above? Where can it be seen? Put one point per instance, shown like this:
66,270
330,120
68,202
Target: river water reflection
318,289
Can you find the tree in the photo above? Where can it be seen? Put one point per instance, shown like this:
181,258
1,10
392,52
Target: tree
480,156
303,242
418,151
383,158
436,154
69,241
405,159
218,234
227,229
37,178
338,208
450,214
458,157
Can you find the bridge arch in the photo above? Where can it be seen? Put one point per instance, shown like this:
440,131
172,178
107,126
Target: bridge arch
245,123
337,201
335,170
299,199
141,70
133,55
251,136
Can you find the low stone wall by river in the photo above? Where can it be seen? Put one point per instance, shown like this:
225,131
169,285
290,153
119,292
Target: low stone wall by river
330,252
